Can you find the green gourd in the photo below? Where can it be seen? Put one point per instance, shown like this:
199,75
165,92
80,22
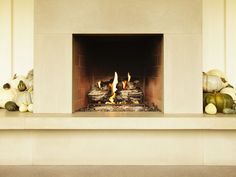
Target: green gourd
220,100
229,111
21,86
7,86
11,106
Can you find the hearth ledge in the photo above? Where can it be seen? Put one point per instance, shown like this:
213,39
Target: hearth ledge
115,121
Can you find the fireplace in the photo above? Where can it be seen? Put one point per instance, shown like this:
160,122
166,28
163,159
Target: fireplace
131,59
157,42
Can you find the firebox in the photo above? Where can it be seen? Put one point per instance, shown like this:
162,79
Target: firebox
117,72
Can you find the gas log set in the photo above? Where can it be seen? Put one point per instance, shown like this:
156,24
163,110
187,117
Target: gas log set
118,95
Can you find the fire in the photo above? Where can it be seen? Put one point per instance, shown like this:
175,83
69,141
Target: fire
99,84
124,83
113,88
129,77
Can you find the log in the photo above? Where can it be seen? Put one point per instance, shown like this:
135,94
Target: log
96,95
131,96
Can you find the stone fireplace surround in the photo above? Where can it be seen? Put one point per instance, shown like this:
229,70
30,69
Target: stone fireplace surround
179,21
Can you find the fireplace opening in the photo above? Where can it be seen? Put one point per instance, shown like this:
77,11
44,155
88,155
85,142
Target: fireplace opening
117,72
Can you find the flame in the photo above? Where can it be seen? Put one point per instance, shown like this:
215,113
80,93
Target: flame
111,99
99,84
114,83
124,84
113,89
129,77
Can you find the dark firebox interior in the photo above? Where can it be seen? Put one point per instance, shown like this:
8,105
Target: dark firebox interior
97,57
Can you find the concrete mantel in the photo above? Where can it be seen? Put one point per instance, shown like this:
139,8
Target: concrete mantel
115,121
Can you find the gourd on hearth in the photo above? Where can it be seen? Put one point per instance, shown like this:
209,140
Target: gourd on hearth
210,109
216,72
7,94
23,108
28,80
220,100
230,91
18,94
213,83
11,106
218,92
16,80
23,98
30,107
21,86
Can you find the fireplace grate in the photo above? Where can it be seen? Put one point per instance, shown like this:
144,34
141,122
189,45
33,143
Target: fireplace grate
120,108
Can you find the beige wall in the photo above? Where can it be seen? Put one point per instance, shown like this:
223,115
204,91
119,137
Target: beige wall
16,37
231,40
5,40
23,31
219,37
213,35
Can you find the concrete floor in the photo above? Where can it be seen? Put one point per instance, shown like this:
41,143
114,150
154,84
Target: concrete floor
118,171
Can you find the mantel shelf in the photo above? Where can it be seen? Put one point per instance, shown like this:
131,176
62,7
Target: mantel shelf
115,121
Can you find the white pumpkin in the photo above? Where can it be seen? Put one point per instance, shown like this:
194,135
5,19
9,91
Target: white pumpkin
211,109
23,98
212,83
217,72
15,82
7,95
23,108
230,91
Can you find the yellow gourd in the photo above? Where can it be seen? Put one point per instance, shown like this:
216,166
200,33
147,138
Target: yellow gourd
210,109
